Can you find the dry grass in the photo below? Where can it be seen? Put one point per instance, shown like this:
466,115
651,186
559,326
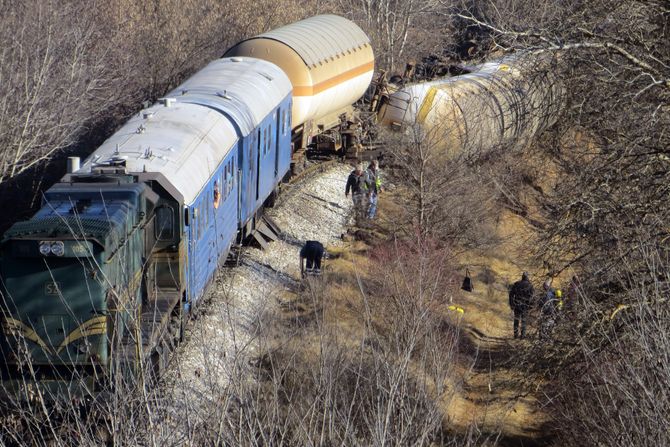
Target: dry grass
481,392
489,393
493,397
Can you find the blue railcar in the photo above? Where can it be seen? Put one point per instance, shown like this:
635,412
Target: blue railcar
255,96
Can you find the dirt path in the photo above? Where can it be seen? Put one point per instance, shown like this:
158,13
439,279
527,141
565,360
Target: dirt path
494,395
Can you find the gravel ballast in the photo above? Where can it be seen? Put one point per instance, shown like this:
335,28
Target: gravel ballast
220,344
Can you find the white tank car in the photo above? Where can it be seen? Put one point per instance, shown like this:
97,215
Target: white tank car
328,59
505,102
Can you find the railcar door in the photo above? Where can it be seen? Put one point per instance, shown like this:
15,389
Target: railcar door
258,163
251,183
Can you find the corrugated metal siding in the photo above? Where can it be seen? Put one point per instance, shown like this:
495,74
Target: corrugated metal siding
320,38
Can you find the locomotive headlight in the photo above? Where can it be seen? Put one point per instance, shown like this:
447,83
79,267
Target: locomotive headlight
58,248
45,248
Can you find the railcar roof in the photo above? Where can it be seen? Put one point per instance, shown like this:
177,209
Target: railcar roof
245,89
320,38
181,144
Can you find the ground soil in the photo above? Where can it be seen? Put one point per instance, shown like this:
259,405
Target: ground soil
489,394
494,394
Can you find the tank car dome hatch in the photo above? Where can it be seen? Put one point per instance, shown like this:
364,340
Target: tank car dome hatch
328,59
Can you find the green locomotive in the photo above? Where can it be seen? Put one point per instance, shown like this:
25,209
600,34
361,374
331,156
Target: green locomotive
72,287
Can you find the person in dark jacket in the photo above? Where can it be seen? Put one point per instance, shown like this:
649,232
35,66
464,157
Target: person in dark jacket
311,254
520,300
356,184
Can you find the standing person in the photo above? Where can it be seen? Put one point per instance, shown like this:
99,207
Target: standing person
312,252
548,310
356,184
373,180
520,299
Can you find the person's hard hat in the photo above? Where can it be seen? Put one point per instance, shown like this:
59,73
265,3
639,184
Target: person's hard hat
559,293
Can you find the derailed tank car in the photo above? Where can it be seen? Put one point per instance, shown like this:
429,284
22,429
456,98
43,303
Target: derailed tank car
506,102
330,63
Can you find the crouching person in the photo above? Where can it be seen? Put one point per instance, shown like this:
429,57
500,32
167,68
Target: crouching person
311,255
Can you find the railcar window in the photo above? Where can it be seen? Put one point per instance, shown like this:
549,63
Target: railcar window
225,181
265,140
252,144
198,218
283,122
194,223
164,228
223,186
209,210
258,142
201,223
230,176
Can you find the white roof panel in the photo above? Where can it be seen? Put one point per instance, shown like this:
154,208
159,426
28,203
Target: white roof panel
245,89
184,142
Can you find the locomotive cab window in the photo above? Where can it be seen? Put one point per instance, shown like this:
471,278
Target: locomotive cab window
164,228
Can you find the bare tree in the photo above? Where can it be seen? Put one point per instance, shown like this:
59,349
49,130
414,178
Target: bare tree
399,29
52,84
606,220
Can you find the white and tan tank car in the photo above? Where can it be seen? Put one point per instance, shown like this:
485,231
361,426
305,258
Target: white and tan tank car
330,63
506,102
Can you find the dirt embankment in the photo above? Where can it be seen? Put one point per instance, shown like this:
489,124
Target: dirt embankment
489,398
377,347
